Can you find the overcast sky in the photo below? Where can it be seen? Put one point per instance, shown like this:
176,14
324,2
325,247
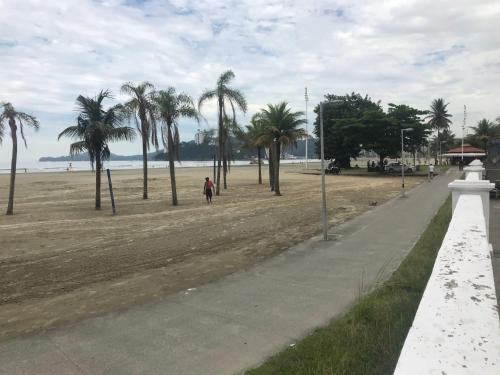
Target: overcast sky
406,52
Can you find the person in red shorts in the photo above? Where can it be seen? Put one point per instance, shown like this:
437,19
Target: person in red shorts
207,189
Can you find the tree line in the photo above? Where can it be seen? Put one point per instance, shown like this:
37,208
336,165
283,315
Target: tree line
353,123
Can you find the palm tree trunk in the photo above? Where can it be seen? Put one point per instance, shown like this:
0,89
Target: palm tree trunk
171,165
437,148
259,161
224,164
13,165
277,168
98,183
219,154
271,167
144,166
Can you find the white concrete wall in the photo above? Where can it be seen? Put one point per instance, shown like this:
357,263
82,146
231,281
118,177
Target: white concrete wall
456,329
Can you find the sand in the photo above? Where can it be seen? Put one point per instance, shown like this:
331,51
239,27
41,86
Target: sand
61,261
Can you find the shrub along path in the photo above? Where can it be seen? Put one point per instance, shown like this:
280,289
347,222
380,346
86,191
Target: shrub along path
233,324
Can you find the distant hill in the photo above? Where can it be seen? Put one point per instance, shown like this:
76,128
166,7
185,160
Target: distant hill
192,151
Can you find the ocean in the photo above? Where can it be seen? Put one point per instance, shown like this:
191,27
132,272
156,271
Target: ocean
62,166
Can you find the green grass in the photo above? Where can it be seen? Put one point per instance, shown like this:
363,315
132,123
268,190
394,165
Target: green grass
369,337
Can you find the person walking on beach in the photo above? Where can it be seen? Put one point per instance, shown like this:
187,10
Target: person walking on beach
207,189
431,171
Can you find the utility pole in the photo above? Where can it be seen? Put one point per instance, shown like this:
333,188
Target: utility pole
307,133
463,133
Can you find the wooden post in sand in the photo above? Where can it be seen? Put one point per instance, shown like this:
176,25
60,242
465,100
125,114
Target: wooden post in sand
111,191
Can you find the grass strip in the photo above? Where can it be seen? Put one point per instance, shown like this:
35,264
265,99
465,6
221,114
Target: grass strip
369,337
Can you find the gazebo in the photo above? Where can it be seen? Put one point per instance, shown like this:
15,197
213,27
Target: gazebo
470,153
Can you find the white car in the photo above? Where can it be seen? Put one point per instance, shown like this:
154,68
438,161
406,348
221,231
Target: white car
395,167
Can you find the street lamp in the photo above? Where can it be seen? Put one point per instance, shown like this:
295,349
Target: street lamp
403,161
306,96
463,133
322,148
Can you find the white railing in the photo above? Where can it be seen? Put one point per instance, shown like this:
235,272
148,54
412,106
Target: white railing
457,329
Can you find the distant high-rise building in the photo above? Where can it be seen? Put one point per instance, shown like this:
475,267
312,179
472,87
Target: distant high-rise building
199,137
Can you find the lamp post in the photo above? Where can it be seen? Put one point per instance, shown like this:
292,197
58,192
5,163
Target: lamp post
403,161
306,96
322,152
463,133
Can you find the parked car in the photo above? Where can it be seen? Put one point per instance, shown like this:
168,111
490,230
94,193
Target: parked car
395,167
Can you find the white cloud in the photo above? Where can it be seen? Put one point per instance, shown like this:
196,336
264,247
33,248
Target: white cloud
396,51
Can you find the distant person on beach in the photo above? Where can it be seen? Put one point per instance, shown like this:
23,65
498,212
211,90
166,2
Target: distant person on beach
431,171
70,167
207,189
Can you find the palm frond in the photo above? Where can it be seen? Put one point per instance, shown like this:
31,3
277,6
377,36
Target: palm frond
238,97
77,148
70,131
206,96
225,78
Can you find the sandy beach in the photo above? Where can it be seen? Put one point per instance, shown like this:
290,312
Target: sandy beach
60,260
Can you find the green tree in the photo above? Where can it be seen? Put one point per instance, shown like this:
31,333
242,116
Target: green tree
439,118
141,109
342,126
380,133
253,139
224,95
409,117
170,107
282,129
445,141
95,129
485,132
15,120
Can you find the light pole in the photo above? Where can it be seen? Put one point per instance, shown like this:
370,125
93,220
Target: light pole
403,161
307,133
463,133
322,148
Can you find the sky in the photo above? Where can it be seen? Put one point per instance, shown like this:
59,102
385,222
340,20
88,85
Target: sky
403,52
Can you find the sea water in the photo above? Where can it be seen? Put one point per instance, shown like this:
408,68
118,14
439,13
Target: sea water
63,166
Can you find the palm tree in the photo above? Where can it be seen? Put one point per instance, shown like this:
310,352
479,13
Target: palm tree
170,107
253,138
230,130
485,132
141,109
224,95
282,129
14,119
438,117
95,128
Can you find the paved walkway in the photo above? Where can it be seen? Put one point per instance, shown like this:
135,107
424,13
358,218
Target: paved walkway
230,325
495,241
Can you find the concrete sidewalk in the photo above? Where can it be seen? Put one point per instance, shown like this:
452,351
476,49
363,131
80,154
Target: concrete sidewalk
230,325
495,241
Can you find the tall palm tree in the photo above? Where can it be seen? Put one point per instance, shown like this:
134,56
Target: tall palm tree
230,130
439,118
485,132
14,119
283,129
225,96
170,107
253,138
95,128
141,109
